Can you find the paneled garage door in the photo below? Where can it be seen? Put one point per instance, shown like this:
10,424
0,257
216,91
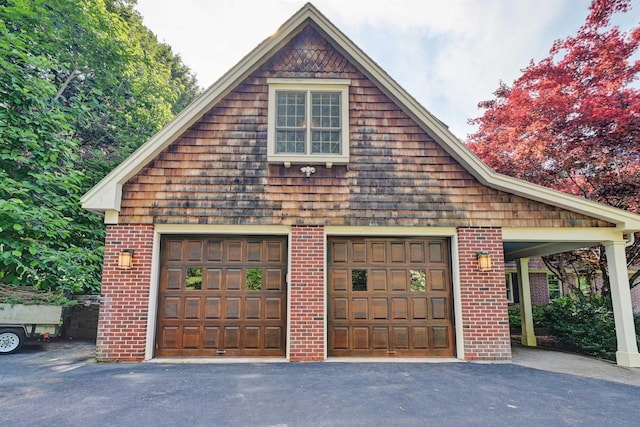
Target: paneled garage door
222,296
389,297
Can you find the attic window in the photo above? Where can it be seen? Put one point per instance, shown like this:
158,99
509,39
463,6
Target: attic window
308,121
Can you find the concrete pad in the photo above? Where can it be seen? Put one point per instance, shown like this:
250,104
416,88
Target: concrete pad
573,364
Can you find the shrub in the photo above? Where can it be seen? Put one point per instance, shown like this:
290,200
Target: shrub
539,318
584,324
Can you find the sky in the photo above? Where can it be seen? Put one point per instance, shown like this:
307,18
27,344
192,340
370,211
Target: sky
448,54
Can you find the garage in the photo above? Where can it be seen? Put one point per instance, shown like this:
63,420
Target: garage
222,296
389,297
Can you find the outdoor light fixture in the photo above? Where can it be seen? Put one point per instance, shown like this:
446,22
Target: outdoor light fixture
484,260
125,259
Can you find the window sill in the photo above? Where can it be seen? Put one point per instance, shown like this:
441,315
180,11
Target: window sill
327,160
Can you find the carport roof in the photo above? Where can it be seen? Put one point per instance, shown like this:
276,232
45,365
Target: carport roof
106,195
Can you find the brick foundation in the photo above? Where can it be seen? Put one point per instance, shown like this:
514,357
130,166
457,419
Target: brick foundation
306,298
122,326
484,305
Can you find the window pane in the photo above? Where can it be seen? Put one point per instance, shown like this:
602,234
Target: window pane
253,280
290,141
554,287
325,142
418,280
325,110
359,280
290,110
193,282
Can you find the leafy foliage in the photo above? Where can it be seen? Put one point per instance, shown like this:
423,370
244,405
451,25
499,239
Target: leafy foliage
572,121
585,324
82,84
537,311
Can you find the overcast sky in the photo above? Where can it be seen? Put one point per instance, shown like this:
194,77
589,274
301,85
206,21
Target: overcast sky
448,54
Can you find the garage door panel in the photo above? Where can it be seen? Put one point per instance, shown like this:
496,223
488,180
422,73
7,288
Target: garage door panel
358,252
438,308
173,278
212,308
340,280
440,336
417,252
274,309
232,337
339,338
234,279
381,338
274,280
252,310
378,280
194,250
222,296
397,252
420,337
360,308
437,279
251,338
214,250
174,250
360,337
234,251
192,308
170,308
214,279
276,252
191,337
254,251
399,309
419,308
273,337
211,337
400,337
170,337
379,308
389,297
399,280
232,311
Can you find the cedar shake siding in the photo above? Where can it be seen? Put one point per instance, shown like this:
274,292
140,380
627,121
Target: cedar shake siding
217,171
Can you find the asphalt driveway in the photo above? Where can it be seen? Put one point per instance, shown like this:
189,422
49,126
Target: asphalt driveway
58,386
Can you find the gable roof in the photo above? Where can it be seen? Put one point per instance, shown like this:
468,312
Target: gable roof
106,195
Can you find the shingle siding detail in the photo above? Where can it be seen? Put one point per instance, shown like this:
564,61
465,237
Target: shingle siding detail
217,171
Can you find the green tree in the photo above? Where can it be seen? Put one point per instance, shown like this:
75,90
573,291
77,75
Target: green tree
82,84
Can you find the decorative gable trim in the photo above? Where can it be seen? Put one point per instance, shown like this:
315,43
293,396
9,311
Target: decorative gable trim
106,195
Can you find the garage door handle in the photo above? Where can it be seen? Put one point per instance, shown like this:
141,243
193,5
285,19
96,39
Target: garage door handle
221,352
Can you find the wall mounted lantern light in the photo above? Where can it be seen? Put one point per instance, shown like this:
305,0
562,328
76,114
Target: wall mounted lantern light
125,259
484,260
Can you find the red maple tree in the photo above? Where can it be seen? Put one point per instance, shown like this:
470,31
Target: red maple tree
572,121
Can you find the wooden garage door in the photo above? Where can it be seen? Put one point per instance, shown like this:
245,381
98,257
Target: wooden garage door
222,296
389,297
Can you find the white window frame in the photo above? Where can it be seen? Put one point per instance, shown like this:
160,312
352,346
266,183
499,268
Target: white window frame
309,86
552,278
508,276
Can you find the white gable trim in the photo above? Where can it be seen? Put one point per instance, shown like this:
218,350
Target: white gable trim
107,193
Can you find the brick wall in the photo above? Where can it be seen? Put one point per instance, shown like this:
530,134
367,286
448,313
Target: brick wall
539,288
635,299
484,305
124,304
306,338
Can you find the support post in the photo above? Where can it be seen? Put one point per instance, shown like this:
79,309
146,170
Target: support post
526,310
627,354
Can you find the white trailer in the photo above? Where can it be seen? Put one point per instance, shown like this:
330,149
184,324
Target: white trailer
19,323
